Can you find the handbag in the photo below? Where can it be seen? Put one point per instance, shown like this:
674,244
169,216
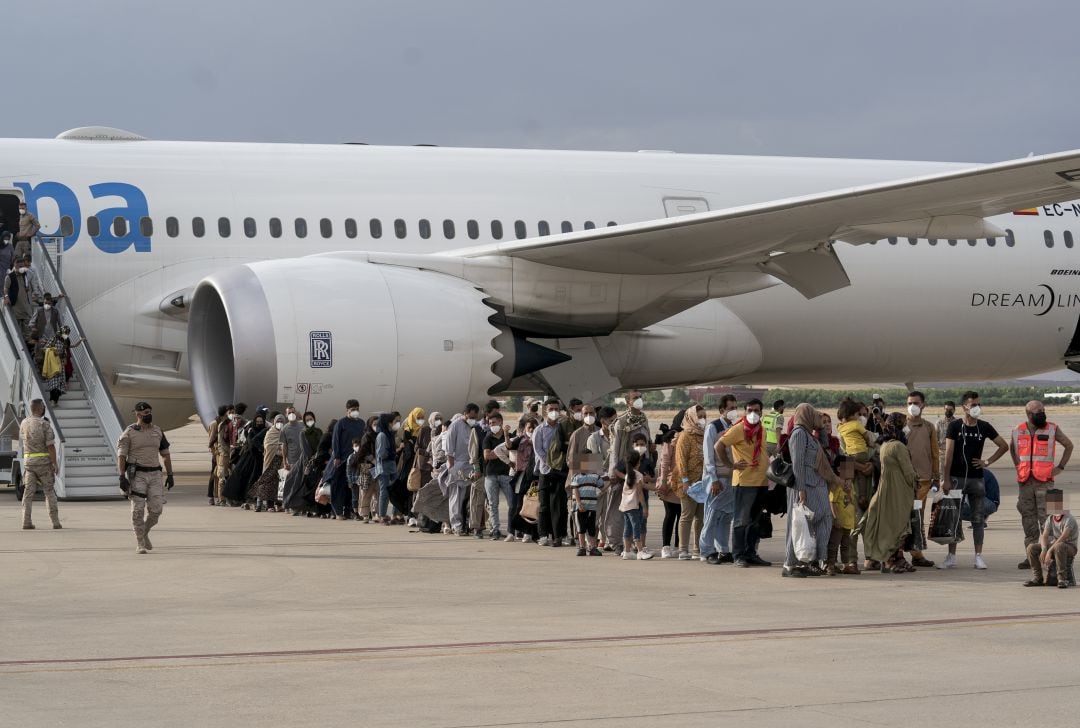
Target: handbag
780,470
530,505
413,483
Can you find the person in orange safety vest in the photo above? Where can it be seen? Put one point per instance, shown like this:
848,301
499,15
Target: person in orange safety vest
1033,449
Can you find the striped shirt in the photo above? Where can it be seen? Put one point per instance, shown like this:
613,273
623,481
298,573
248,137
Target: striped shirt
804,457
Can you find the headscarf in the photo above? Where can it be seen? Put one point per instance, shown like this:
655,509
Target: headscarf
806,417
690,424
411,425
430,420
386,419
273,435
894,427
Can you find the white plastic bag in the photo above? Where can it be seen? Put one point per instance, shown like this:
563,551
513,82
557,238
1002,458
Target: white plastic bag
322,494
802,538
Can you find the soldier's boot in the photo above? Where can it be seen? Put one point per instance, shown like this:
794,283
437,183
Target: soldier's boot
54,511
27,507
151,521
1036,575
1052,573
146,541
140,542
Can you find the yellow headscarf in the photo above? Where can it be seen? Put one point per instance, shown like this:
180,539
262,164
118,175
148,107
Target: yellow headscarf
411,423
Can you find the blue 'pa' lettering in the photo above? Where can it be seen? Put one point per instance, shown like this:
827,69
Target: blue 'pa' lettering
135,207
66,203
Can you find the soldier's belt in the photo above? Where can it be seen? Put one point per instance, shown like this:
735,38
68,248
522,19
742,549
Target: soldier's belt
141,469
37,454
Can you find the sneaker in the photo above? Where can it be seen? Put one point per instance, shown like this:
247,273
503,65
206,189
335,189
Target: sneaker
667,553
790,571
446,529
526,539
979,563
1034,582
922,562
480,533
544,541
1063,584
581,551
510,537
627,556
756,560
742,563
949,562
685,556
646,550
609,548
726,559
644,555
146,542
556,543
412,522
496,536
712,559
595,552
140,550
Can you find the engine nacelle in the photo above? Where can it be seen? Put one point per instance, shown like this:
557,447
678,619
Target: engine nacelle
322,329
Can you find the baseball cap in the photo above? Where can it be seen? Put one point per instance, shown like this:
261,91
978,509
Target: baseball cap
142,406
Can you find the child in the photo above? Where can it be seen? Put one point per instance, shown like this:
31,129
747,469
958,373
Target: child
586,493
842,500
633,498
1056,545
856,442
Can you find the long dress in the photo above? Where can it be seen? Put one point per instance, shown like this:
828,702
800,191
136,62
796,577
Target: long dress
887,520
266,487
248,466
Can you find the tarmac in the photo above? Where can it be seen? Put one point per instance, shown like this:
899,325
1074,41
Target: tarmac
245,619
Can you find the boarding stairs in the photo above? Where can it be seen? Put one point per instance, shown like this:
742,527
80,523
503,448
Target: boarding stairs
86,421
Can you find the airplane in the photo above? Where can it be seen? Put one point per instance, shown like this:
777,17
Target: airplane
206,273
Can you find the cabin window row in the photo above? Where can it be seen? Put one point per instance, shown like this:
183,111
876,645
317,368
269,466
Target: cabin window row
1010,241
276,228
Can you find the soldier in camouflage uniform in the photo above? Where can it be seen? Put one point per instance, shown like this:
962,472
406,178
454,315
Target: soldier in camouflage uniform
137,458
39,462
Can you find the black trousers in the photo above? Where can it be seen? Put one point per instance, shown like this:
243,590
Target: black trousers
553,504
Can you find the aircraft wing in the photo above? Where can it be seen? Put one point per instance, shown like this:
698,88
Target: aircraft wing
792,238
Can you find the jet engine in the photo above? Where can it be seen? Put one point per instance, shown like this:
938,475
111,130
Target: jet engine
320,330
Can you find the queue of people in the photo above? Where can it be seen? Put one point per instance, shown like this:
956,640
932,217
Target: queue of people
577,475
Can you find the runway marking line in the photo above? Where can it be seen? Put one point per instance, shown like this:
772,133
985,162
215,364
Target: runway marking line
758,632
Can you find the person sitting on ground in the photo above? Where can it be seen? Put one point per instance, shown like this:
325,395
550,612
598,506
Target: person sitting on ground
1056,547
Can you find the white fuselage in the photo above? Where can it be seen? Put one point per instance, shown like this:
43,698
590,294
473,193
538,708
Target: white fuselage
914,312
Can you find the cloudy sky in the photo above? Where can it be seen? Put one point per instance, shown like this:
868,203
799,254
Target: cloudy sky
967,80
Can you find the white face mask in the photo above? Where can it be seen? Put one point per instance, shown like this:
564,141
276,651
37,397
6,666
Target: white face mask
553,415
862,421
641,450
470,422
732,416
590,420
436,423
355,414
48,306
420,421
702,421
914,410
975,411
638,403
231,416
356,448
396,426
279,425
753,418
578,416
22,210
23,269
291,416
309,423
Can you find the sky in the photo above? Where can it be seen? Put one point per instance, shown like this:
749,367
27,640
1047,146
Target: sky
959,81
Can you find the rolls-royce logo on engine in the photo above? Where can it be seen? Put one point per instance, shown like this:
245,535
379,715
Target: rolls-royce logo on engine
322,350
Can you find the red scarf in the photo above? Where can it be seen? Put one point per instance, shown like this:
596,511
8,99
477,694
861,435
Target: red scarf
754,434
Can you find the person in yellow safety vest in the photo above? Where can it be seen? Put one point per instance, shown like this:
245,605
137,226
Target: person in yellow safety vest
773,424
1033,449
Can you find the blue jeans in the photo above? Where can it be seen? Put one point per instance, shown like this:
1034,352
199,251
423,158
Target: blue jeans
385,481
748,504
493,485
716,529
632,524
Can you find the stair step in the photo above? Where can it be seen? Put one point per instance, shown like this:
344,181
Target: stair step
84,442
72,432
69,422
107,470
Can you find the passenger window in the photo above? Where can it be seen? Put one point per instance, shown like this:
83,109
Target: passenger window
932,241
448,229
93,226
250,229
1048,238
991,242
1010,239
913,241
567,226
399,228
119,227
972,243
1068,238
198,227
496,229
519,229
146,227
350,228
375,228
425,229
223,227
892,241
301,227
952,243
326,227
473,229
612,223
542,228
590,225
172,227
67,226
275,227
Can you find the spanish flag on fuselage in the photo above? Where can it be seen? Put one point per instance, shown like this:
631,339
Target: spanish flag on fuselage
1028,211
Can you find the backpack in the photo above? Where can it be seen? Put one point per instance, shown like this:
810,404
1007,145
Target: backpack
557,450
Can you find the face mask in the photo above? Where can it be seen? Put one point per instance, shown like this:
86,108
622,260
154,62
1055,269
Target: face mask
292,417
396,426
641,450
146,419
732,416
975,411
231,416
862,421
278,425
914,410
590,420
309,423
48,306
578,416
64,337
471,422
753,418
356,448
436,423
638,403
355,414
22,210
702,421
420,421
1039,419
553,415
23,269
